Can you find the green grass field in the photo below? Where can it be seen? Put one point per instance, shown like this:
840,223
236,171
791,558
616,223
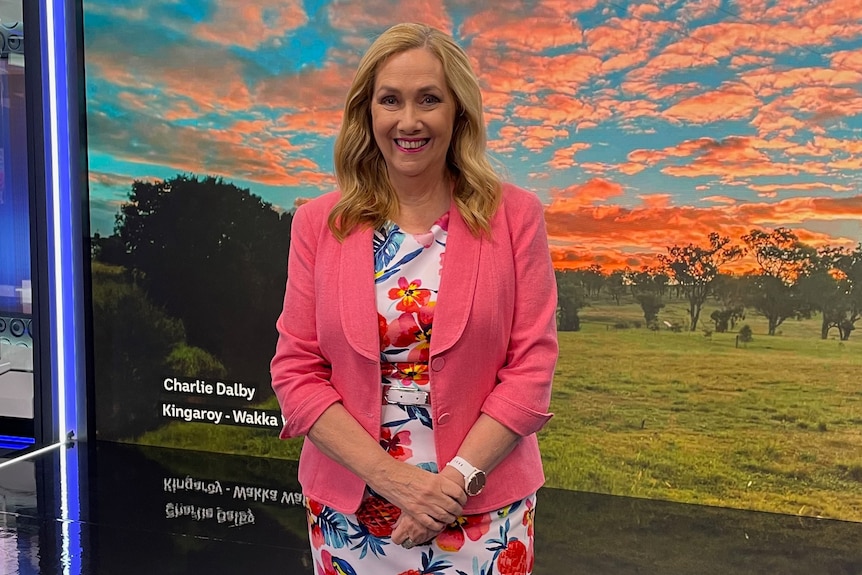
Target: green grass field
775,425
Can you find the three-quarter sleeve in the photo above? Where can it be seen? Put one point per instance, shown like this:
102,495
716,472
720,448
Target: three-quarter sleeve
300,373
522,395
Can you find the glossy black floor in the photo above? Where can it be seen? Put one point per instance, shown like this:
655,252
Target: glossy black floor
114,509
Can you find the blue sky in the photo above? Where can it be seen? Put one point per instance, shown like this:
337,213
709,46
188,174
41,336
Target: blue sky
639,124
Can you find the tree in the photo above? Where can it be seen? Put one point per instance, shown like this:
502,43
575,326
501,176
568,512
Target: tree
108,250
651,303
571,298
131,343
215,256
729,291
835,288
646,286
775,292
594,279
616,284
694,269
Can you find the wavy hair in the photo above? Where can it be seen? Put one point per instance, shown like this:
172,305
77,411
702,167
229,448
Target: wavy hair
367,196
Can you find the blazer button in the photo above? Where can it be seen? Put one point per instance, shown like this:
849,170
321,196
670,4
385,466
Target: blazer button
444,418
437,363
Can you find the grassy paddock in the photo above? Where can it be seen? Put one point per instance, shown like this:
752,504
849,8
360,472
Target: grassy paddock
774,425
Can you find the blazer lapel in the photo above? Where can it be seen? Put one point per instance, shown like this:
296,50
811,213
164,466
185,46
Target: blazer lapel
357,298
457,283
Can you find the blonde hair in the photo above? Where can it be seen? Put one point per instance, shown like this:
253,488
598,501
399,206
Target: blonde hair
367,196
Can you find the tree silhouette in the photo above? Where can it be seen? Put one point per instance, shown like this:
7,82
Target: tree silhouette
616,284
215,256
729,291
571,297
651,303
131,342
695,268
784,260
593,279
835,288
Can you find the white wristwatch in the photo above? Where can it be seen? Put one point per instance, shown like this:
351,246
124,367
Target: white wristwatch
474,479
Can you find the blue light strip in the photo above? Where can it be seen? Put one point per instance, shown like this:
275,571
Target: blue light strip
60,226
15,442
63,277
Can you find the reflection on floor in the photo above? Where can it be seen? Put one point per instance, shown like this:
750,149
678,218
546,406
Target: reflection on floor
126,510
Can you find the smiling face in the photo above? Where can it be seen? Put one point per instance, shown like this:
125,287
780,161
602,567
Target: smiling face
413,114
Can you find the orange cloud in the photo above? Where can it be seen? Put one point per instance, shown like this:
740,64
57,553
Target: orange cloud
110,179
766,82
564,158
250,24
749,60
730,102
559,110
808,107
514,26
698,9
325,123
312,88
588,194
667,62
270,160
655,201
723,200
770,188
357,19
730,159
614,236
848,60
564,73
627,35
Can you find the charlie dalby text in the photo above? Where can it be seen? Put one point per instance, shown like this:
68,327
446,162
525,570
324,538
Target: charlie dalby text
202,387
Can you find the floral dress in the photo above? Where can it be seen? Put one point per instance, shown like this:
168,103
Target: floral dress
407,275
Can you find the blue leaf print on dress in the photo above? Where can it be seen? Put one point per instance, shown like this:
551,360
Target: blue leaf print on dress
385,247
414,412
333,525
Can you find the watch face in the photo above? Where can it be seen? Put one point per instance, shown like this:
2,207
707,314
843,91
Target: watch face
476,483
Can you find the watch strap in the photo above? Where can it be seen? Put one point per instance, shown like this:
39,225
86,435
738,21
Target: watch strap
474,478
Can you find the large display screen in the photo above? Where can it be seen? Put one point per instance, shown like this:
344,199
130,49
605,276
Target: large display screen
700,167
15,274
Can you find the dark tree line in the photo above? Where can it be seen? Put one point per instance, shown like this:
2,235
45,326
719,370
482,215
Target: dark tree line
211,256
793,281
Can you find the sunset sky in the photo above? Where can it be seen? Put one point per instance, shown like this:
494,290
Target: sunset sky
639,124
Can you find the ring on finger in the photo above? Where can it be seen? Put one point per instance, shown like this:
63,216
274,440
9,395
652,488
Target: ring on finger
408,543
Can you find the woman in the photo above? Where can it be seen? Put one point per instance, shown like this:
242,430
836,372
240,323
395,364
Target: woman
420,453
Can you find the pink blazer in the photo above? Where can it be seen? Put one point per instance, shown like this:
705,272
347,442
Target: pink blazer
493,348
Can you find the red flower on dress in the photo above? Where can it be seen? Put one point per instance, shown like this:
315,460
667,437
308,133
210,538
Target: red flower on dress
383,331
528,517
411,295
473,526
396,444
413,330
313,510
326,567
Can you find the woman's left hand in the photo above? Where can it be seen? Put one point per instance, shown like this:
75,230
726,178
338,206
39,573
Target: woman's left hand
409,528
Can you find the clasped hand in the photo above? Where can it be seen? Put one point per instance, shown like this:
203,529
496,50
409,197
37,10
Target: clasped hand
428,501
